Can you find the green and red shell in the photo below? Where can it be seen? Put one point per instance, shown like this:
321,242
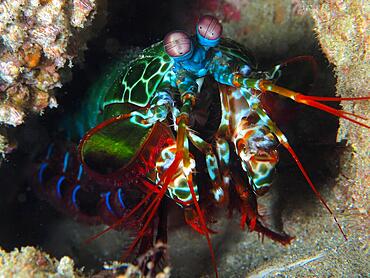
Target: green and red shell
114,143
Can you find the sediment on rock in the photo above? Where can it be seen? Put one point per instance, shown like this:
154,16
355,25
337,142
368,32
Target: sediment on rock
37,40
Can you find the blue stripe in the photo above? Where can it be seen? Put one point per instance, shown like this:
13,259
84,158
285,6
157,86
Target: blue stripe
74,193
65,163
107,203
80,128
41,171
120,198
80,171
115,267
60,181
50,150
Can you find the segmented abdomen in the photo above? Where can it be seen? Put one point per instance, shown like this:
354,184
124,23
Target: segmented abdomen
61,180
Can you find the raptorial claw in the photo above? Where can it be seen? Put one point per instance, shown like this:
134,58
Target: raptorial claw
256,146
284,239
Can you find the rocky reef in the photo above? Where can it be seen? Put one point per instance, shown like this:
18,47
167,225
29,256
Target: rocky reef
38,40
342,30
30,262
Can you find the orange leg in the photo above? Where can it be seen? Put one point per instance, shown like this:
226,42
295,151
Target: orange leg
265,85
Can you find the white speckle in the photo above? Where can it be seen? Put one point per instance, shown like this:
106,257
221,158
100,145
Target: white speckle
53,102
218,193
65,267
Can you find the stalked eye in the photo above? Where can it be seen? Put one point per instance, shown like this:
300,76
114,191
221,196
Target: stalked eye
209,27
177,44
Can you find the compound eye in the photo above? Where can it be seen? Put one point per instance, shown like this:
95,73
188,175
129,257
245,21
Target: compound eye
209,27
177,44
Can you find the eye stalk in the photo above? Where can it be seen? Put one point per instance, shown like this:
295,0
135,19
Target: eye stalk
209,31
178,45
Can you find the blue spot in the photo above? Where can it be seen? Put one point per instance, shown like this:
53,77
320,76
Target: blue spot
245,70
41,171
80,128
80,171
115,267
202,72
212,167
107,203
120,198
65,163
74,193
50,150
59,184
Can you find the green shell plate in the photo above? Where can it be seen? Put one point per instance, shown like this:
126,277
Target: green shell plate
112,146
141,77
238,51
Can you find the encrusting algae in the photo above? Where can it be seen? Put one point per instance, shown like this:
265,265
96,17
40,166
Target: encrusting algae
38,39
341,27
31,262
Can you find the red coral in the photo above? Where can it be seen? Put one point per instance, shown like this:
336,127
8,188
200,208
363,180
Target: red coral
221,8
230,12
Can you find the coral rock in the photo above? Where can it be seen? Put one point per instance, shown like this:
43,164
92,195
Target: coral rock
30,262
11,115
37,39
